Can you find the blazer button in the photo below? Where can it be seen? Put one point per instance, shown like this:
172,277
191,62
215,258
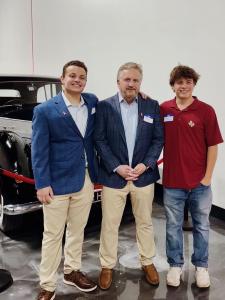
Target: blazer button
82,156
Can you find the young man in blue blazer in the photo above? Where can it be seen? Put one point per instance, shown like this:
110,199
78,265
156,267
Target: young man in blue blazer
65,167
129,140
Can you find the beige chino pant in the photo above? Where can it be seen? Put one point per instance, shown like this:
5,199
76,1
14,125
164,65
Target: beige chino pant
73,210
113,204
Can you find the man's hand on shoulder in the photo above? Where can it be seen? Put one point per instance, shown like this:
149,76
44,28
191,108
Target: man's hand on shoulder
45,195
144,96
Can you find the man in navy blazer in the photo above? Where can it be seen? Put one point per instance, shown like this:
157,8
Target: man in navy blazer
65,167
129,139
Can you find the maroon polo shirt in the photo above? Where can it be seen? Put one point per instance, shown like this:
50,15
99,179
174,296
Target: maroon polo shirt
188,134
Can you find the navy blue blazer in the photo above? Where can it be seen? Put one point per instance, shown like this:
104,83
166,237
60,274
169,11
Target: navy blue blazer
110,141
58,148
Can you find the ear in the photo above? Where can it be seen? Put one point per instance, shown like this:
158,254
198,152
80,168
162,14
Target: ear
62,79
173,89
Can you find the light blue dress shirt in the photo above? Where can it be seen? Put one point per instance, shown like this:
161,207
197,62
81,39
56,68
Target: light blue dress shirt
129,113
79,113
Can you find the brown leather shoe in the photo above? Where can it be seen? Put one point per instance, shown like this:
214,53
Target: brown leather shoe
151,274
79,280
46,295
105,278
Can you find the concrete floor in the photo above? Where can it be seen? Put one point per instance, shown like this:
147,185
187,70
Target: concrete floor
21,255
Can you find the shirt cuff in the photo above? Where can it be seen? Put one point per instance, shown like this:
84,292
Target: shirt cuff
115,169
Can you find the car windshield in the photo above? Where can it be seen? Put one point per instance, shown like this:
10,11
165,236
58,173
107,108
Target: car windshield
27,92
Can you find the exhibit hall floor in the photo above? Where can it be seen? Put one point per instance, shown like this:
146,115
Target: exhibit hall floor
21,255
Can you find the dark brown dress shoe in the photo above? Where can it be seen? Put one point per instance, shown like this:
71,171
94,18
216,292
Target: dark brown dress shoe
105,278
46,295
80,281
151,274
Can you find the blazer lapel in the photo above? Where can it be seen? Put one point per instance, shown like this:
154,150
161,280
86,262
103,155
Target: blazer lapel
65,114
89,107
140,120
116,105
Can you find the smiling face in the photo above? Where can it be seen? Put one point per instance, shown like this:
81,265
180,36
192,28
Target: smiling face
129,82
183,88
74,80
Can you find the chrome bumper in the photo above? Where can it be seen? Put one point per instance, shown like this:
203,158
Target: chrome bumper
19,209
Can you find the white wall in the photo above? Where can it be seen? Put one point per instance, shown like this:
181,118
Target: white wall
106,33
15,37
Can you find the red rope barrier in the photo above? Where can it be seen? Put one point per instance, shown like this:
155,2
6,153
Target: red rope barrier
16,176
160,161
25,179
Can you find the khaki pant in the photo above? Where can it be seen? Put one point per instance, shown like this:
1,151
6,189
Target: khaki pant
113,203
73,210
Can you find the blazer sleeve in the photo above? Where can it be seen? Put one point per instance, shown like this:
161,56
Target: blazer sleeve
110,161
155,149
40,149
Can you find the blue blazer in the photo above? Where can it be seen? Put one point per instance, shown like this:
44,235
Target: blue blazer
110,140
58,148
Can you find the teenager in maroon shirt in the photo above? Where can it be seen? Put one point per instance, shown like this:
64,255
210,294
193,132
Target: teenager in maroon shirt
190,152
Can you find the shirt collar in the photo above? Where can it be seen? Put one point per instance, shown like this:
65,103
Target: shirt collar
121,99
68,104
193,105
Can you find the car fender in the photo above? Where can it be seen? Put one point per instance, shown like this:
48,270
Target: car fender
15,154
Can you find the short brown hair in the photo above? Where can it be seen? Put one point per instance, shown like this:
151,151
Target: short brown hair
77,63
181,71
128,66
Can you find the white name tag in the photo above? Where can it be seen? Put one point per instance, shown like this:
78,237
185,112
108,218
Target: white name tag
168,118
93,110
148,119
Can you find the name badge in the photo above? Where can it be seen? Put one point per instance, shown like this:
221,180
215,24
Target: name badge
93,110
148,119
168,118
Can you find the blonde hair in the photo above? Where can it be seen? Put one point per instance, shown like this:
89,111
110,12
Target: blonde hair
128,66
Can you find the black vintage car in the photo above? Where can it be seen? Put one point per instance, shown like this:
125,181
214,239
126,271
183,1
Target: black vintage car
18,97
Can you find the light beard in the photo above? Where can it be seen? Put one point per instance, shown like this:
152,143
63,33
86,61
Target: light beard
130,98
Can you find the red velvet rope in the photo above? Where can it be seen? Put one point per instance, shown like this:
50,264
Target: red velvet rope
16,176
31,181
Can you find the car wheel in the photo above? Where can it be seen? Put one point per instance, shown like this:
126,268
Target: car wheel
8,223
